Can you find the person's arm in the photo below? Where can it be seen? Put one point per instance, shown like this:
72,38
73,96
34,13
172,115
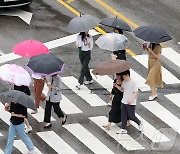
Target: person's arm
118,87
133,97
157,56
17,115
59,85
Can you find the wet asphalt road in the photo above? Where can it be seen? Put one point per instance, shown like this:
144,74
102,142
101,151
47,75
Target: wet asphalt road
49,22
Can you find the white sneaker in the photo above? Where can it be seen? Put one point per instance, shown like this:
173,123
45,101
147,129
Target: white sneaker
88,82
122,131
78,86
27,130
109,103
152,97
141,126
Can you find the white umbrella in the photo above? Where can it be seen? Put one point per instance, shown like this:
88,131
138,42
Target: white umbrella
15,74
112,41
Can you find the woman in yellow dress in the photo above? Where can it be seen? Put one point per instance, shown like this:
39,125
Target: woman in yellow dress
154,78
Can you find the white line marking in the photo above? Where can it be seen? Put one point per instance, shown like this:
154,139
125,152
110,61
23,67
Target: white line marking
124,139
66,105
104,81
1,53
50,45
5,116
57,143
150,131
174,98
167,76
24,15
84,92
163,114
1,134
22,148
1,152
88,139
172,55
8,57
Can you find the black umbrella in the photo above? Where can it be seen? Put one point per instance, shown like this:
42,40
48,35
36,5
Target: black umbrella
116,23
152,34
82,23
20,98
45,64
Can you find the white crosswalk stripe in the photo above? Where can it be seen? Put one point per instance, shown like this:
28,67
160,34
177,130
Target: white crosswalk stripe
167,117
89,139
56,142
124,139
1,152
167,76
22,148
172,55
1,134
84,93
174,98
5,116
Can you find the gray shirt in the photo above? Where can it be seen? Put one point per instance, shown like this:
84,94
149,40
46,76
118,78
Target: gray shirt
54,95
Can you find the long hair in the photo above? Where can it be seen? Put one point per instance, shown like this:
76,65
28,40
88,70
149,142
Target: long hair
83,35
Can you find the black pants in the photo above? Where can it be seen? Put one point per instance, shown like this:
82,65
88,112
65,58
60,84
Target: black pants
130,111
84,57
57,110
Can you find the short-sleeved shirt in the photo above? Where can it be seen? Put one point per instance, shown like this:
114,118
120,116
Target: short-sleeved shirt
17,109
83,43
130,87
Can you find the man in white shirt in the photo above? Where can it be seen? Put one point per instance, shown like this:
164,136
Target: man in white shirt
84,43
130,91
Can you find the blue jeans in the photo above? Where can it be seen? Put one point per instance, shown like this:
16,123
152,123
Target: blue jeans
20,130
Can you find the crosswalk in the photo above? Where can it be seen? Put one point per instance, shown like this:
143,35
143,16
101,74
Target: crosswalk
85,134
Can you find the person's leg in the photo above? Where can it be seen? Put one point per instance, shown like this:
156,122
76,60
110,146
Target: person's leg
22,134
59,112
85,65
47,113
82,73
10,141
39,96
29,128
153,91
123,116
131,114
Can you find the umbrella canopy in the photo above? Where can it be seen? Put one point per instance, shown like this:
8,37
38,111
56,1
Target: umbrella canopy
152,34
45,64
111,67
20,98
29,48
112,41
116,23
82,23
15,74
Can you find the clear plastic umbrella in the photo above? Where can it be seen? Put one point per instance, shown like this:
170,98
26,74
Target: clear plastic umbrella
112,41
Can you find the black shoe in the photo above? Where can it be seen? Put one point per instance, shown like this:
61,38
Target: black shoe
63,122
47,126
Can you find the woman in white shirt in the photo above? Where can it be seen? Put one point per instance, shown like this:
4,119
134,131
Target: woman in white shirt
84,43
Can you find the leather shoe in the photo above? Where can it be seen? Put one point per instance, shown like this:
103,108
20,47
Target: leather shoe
63,122
47,126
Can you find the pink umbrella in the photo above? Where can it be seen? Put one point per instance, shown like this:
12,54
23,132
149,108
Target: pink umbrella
30,48
15,74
